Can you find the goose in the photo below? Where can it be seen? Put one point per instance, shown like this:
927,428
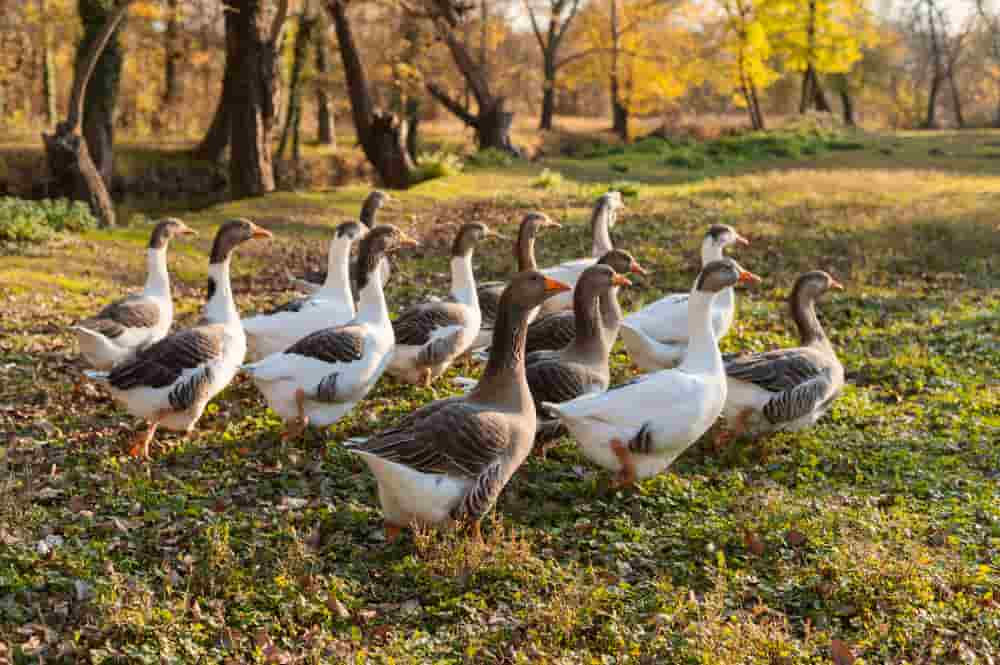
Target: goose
374,202
601,221
431,335
656,336
169,383
554,331
450,459
786,388
320,378
490,292
581,366
131,324
331,305
638,429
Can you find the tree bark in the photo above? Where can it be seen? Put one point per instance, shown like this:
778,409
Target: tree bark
548,94
213,145
956,99
253,104
324,119
102,91
49,81
846,101
171,56
382,135
73,171
303,38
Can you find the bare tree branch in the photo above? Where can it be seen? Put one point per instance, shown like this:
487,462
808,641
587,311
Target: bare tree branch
451,104
86,70
278,25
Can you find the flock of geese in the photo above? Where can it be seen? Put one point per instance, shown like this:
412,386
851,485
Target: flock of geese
546,336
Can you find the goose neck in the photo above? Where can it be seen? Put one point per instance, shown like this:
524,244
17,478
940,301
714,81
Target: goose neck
504,381
463,281
526,250
710,251
600,228
372,308
338,271
803,308
703,350
220,308
157,276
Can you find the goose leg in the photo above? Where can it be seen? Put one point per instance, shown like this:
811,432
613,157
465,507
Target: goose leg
392,532
141,440
627,476
725,437
298,426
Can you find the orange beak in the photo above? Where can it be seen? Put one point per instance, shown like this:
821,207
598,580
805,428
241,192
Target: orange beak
637,269
555,286
834,284
747,277
496,234
549,224
186,230
621,280
741,240
407,241
260,233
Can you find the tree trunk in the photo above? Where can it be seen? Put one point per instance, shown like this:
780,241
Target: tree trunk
49,82
848,106
213,144
956,99
171,56
382,135
73,171
931,121
303,37
253,104
324,119
412,127
102,90
548,93
620,119
812,92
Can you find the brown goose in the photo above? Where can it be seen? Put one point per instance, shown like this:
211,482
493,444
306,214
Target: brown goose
171,382
554,331
786,388
490,292
128,325
581,367
431,335
451,458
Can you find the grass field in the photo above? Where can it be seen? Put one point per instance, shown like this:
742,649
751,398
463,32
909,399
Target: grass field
873,538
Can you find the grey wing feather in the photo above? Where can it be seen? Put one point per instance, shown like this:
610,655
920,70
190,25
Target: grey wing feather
132,312
342,344
187,393
552,380
439,350
163,363
482,495
776,371
794,403
552,332
454,438
415,326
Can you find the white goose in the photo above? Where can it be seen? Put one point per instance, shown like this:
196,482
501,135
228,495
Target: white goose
131,324
657,335
640,428
331,305
603,219
431,335
169,383
321,377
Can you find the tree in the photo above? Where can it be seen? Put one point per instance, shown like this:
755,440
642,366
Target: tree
304,37
746,53
492,121
550,33
252,104
382,134
991,28
943,50
324,118
67,152
213,144
171,54
102,91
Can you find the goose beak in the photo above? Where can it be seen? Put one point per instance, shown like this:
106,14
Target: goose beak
637,269
260,232
549,224
186,230
554,286
747,277
407,241
496,234
834,284
741,240
621,280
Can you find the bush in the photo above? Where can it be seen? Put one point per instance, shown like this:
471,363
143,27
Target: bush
548,180
438,165
491,157
686,158
23,221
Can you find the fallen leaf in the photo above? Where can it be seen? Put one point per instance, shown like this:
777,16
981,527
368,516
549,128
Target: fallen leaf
842,654
77,503
795,538
338,608
753,543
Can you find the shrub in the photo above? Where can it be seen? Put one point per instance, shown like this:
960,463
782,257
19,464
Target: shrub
438,165
491,157
687,158
23,221
548,179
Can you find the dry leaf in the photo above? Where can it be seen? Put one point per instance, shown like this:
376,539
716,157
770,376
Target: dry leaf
795,538
753,543
338,608
842,654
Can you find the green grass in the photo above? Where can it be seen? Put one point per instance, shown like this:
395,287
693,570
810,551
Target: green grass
879,528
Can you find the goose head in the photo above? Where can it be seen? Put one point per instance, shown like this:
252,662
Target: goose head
375,201
622,262
232,234
168,228
382,240
530,288
813,284
722,274
468,237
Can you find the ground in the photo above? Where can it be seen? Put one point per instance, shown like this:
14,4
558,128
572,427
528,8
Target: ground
874,537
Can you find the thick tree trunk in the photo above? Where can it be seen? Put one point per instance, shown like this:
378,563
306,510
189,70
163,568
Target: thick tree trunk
931,120
324,119
548,92
382,135
49,82
956,99
412,127
171,57
847,105
253,104
73,171
812,93
213,144
102,90
620,119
